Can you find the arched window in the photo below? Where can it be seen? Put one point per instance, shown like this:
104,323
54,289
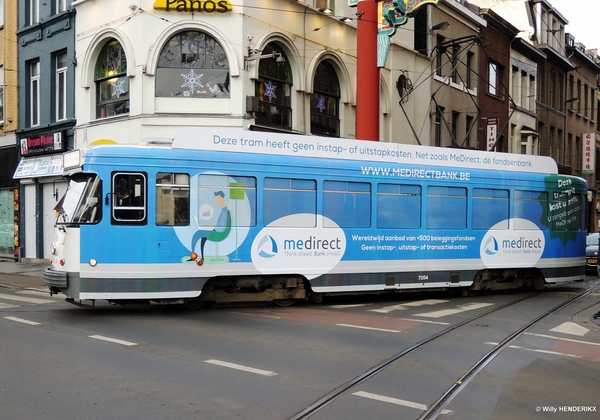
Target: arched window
325,102
192,64
112,83
273,89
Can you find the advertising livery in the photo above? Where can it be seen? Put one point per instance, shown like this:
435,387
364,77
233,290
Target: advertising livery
230,215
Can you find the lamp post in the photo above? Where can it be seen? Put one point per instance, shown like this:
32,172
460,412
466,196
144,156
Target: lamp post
565,135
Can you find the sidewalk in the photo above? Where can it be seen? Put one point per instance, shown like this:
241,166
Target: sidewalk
27,274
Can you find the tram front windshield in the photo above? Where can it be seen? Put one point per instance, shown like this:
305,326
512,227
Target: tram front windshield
82,201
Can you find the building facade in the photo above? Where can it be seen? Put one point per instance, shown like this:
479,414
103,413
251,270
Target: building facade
103,71
9,111
47,62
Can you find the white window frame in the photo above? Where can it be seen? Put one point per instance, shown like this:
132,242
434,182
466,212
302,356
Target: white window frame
61,87
34,92
61,6
34,12
493,79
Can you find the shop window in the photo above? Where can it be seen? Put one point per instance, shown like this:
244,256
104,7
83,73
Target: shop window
192,64
112,83
325,102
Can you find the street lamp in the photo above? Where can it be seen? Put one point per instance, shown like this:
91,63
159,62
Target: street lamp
442,26
567,102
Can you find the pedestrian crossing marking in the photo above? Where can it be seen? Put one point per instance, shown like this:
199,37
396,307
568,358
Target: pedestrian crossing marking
7,306
571,328
25,299
406,306
461,308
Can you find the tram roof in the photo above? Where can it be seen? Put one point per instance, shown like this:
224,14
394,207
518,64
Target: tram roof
244,141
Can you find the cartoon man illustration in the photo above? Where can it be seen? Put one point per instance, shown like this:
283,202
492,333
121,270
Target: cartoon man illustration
219,232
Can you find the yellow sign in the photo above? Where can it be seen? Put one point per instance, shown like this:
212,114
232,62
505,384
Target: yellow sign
208,6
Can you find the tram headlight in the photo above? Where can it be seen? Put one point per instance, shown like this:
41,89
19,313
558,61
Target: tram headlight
53,248
93,262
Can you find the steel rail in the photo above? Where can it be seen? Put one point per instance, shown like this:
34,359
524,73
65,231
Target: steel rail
436,408
338,392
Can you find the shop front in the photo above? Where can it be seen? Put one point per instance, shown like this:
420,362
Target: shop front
9,199
40,173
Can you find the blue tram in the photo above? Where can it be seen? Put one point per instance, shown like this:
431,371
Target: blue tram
223,215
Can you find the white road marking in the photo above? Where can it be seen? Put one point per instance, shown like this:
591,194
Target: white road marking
24,321
406,306
367,328
258,315
555,353
25,299
461,308
6,306
396,401
113,340
355,305
38,292
564,339
571,328
424,321
240,367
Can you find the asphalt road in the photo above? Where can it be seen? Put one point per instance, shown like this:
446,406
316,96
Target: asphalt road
153,362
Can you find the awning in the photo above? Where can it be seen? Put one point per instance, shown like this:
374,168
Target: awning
36,167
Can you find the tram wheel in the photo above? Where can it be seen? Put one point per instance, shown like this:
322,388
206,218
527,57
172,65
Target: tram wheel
284,302
473,293
194,304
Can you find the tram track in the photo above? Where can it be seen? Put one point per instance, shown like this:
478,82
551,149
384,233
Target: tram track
435,409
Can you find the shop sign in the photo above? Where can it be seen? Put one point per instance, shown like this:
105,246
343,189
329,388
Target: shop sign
43,144
589,153
208,6
51,165
492,132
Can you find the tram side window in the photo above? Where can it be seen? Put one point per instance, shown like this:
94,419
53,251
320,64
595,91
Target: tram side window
348,204
532,206
224,201
446,208
172,199
490,209
398,206
129,198
286,197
